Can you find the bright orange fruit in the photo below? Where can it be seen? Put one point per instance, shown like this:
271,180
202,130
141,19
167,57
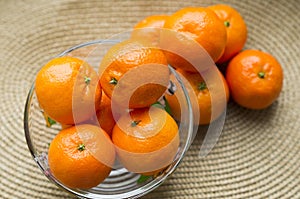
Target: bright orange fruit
149,29
153,21
147,140
255,79
236,30
199,24
201,97
105,116
81,156
135,73
68,90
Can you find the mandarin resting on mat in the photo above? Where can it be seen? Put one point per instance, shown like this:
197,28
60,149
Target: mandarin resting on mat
81,156
149,29
255,79
201,97
134,74
197,24
236,30
153,21
146,140
68,90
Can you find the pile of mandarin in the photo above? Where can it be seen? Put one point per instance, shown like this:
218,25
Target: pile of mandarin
111,113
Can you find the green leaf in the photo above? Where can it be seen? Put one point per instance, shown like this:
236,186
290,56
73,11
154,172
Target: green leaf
49,121
143,178
158,105
167,106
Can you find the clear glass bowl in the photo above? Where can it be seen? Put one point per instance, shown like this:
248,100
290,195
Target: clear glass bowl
120,183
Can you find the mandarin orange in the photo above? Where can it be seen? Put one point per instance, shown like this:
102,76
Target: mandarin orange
198,24
81,156
136,74
149,29
105,116
153,21
201,97
236,30
146,140
255,79
68,90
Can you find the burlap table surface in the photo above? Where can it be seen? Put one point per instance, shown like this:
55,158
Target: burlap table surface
258,153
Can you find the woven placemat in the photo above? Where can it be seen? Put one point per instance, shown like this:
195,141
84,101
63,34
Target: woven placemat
258,154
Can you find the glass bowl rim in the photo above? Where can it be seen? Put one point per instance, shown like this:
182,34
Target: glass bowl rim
146,188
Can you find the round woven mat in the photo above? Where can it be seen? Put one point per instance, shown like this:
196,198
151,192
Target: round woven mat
258,154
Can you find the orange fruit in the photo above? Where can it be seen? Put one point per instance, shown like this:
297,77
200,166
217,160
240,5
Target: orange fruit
254,78
64,126
81,156
105,116
199,24
153,21
149,28
136,74
146,140
236,30
68,90
201,97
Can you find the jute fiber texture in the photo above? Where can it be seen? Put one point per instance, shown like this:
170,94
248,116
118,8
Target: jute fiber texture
258,153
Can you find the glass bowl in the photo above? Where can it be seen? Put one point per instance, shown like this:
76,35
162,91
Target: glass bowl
121,183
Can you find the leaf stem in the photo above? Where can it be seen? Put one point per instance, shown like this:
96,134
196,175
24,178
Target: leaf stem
261,75
113,81
202,86
135,122
81,147
227,23
87,80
